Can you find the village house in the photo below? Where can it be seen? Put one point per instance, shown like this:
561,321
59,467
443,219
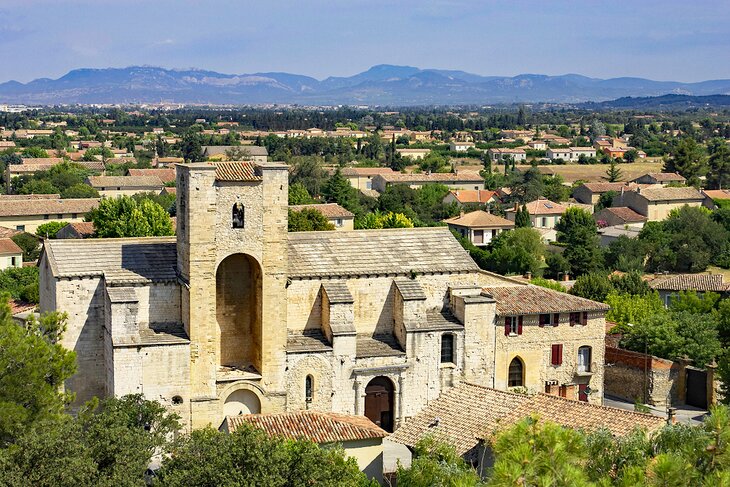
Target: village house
517,134
537,145
544,215
655,203
76,230
662,178
479,227
620,215
471,197
458,146
570,154
361,178
357,435
469,415
460,180
670,285
590,193
415,154
112,186
713,197
236,315
26,214
10,254
338,216
166,175
499,155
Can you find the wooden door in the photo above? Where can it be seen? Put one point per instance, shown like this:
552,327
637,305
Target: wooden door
379,402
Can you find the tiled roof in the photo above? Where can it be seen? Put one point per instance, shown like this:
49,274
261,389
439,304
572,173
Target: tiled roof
313,341
690,282
545,207
152,259
459,416
467,413
8,232
436,177
717,194
671,194
480,219
369,252
7,246
410,289
530,299
439,321
236,171
665,176
329,210
165,174
82,229
13,197
253,150
47,206
580,416
623,213
605,187
377,346
337,292
311,425
473,195
365,171
42,160
125,182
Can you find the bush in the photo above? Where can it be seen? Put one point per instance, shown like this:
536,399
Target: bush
50,229
21,283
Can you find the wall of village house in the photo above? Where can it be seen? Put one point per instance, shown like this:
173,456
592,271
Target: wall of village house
32,222
660,211
158,303
373,297
534,348
114,193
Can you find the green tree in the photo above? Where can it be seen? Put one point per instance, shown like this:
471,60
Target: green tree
547,283
626,308
50,229
34,367
308,172
718,174
577,230
687,159
605,200
79,190
125,217
20,283
35,152
308,219
517,251
528,186
626,254
30,244
613,173
554,188
522,218
190,147
375,220
298,195
630,283
437,464
339,190
593,285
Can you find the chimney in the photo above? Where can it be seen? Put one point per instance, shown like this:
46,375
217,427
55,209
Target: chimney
566,277
528,275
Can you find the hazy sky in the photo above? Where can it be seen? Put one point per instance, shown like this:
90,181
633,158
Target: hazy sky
683,40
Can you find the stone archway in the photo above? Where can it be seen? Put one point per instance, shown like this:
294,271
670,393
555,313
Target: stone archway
238,312
241,401
380,402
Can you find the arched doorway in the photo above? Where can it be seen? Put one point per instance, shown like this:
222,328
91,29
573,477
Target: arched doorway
241,401
238,311
379,402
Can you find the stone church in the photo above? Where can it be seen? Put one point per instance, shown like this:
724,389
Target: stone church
236,315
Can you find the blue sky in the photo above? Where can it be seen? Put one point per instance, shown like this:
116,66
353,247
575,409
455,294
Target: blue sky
663,40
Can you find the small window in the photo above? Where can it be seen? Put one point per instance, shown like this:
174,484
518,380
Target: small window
59,216
513,325
574,319
447,348
14,261
545,320
309,389
177,400
74,215
338,222
544,221
516,373
556,354
584,359
239,215
46,217
556,319
20,228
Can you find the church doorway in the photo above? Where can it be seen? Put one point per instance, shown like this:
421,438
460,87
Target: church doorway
238,312
379,408
241,401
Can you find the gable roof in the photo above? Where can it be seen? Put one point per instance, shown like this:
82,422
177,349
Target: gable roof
214,150
545,207
664,193
690,282
436,177
663,176
479,219
237,171
365,171
329,210
467,413
42,206
473,195
623,213
80,229
6,232
125,182
7,247
165,174
395,251
318,427
605,187
531,299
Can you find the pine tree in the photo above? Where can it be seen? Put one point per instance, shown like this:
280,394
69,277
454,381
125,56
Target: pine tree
613,173
522,218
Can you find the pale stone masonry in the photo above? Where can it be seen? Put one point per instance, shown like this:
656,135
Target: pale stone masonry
236,315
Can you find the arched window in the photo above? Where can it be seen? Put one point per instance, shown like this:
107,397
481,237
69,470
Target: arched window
239,215
309,389
584,359
516,373
447,348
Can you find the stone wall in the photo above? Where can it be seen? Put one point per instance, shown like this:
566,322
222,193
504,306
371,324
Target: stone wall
627,372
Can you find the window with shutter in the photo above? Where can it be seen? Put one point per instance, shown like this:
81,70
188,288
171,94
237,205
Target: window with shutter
574,319
519,325
544,320
556,319
557,354
584,318
507,325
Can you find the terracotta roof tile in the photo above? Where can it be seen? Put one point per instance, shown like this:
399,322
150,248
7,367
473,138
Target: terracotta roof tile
671,194
545,207
474,195
164,174
365,171
7,246
623,213
480,219
8,232
236,171
690,282
316,426
329,210
47,206
125,182
530,299
437,177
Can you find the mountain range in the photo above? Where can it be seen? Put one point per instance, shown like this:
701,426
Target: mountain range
381,85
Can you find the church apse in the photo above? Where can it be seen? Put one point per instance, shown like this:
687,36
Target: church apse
238,312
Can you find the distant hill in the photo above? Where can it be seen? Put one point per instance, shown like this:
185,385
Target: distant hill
664,102
380,85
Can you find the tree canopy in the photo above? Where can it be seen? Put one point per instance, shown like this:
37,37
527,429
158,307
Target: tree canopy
125,217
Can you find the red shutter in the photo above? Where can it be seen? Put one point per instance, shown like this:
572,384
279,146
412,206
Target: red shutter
585,318
506,326
556,319
572,319
560,354
556,357
540,321
519,325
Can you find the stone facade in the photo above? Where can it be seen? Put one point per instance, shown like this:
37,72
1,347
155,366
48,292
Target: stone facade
236,315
